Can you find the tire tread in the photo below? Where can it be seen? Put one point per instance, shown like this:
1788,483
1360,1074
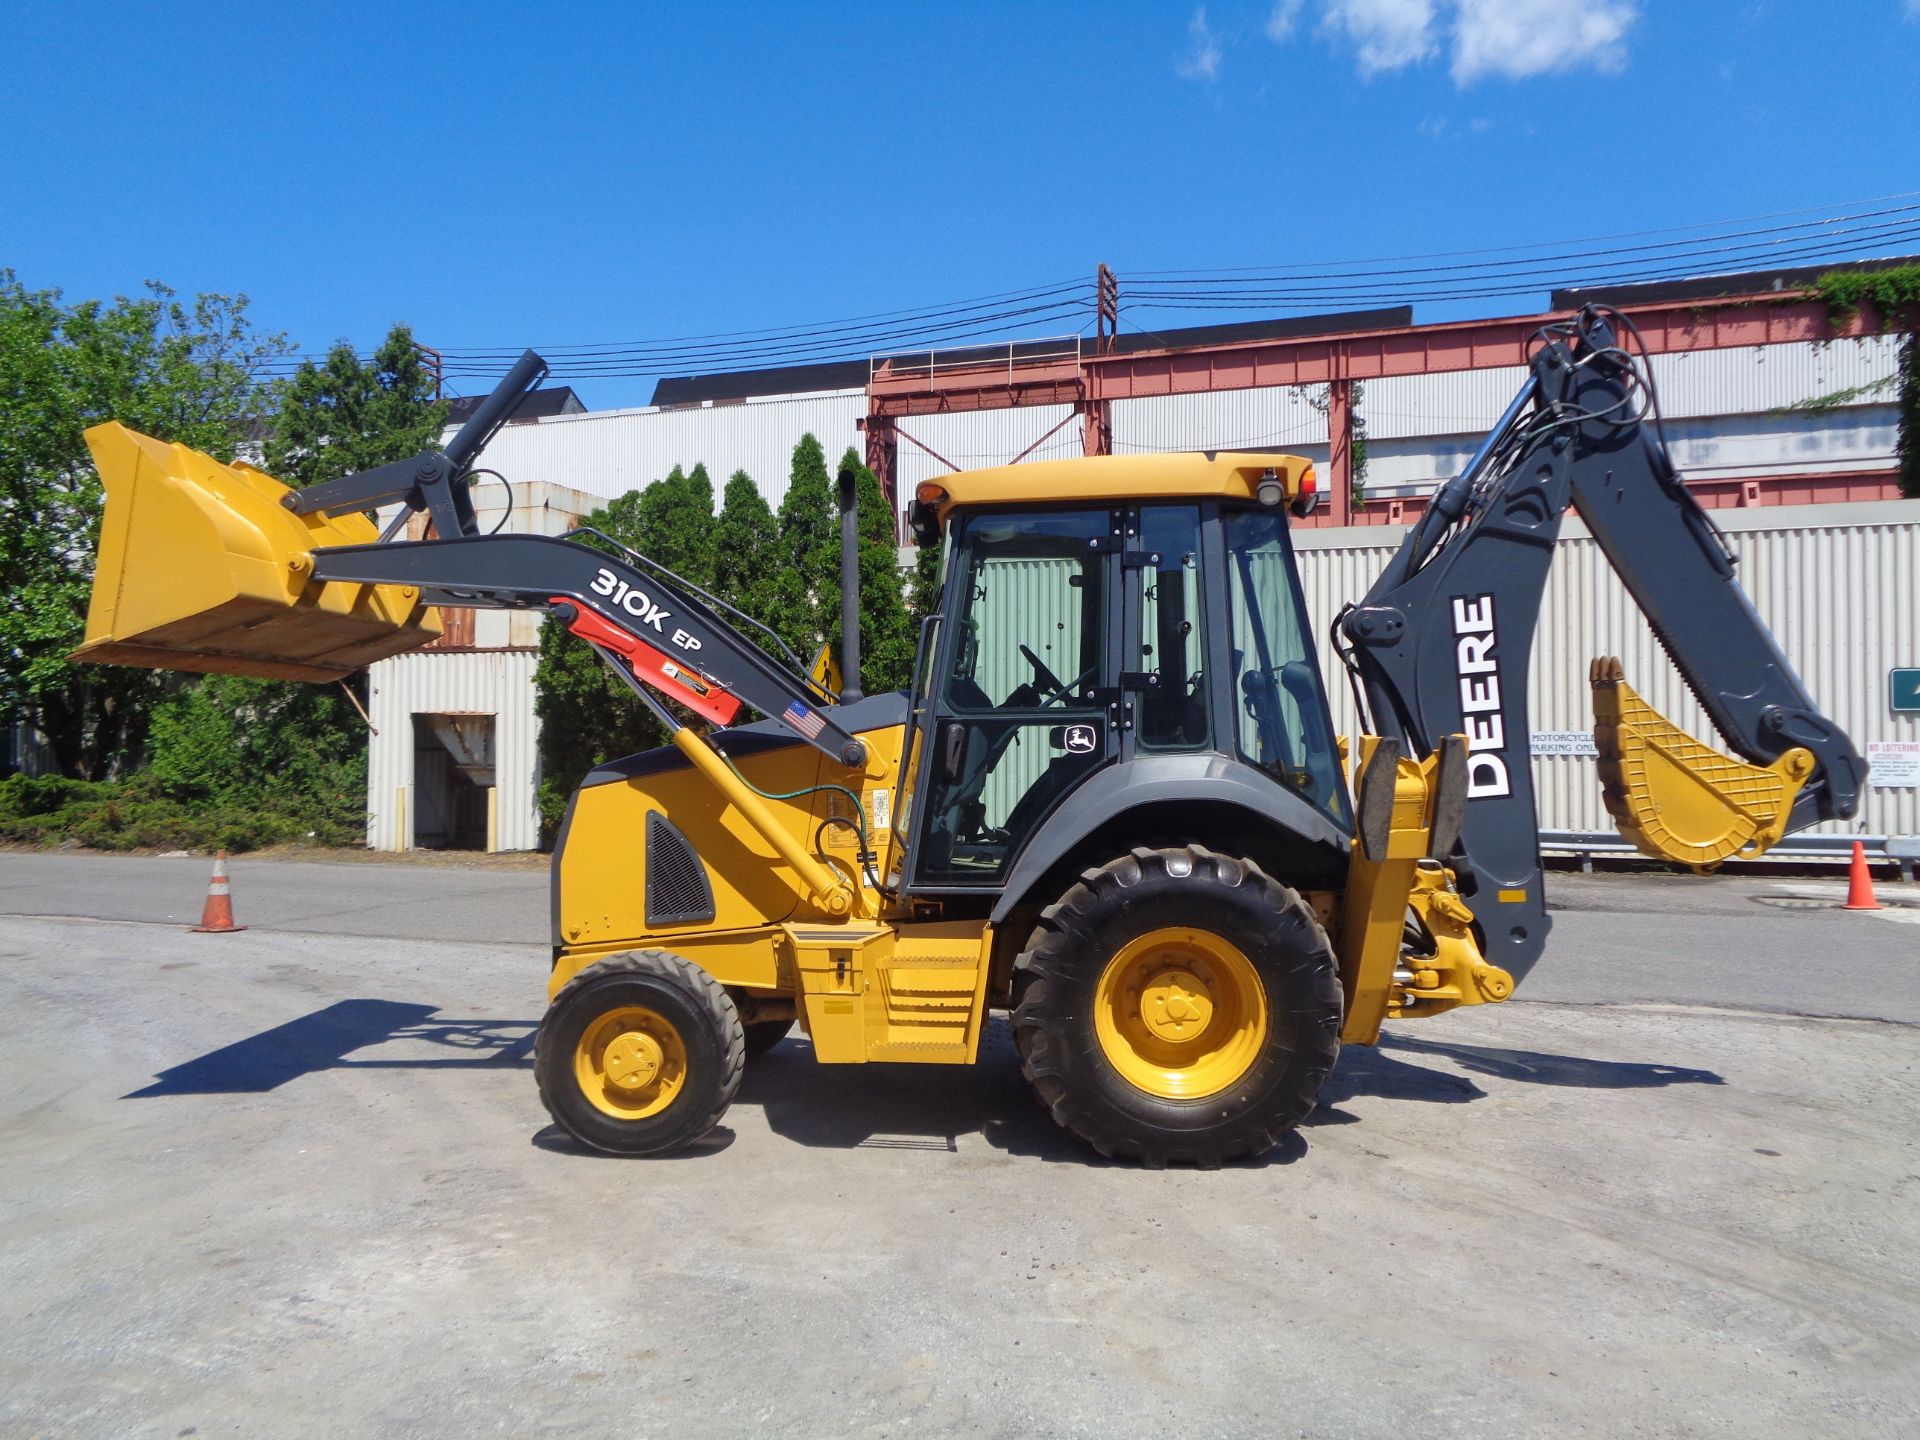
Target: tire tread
1050,968
699,986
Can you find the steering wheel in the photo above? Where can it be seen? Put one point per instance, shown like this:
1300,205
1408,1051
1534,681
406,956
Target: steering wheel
1052,689
1048,680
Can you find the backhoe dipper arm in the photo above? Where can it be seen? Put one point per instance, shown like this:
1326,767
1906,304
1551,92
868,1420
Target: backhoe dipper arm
1441,644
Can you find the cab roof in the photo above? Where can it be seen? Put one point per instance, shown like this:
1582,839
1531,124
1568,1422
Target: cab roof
1185,475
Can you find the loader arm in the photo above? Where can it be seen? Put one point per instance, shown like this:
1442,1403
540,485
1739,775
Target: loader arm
672,641
1441,644
649,625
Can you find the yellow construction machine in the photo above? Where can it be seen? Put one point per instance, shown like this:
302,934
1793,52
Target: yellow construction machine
1112,802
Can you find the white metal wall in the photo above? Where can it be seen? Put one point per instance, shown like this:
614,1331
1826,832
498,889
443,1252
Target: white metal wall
1419,427
1748,381
495,678
1839,585
606,453
1278,417
980,438
486,682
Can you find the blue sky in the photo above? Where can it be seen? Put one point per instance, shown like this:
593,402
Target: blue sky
500,175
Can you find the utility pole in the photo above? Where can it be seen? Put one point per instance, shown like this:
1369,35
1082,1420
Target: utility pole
1096,412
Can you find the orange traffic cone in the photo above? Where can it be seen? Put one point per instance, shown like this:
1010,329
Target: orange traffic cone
1860,882
217,916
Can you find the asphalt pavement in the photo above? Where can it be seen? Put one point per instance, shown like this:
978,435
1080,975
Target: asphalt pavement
296,1182
1753,942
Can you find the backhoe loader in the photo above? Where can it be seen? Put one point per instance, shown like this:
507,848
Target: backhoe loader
1112,802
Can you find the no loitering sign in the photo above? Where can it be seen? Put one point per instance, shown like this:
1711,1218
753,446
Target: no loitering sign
1893,764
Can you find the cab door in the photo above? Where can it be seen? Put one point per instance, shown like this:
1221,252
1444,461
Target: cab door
1019,704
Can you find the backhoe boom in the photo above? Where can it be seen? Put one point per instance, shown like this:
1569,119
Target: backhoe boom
1441,644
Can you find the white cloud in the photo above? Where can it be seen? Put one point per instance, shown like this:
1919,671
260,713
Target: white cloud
1508,39
1912,7
1286,14
1518,38
1385,34
1202,60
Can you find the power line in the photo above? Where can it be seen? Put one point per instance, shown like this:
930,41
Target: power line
1360,295
1549,244
1552,268
1490,273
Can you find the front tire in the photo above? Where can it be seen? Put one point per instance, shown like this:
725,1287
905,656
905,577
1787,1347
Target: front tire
639,1054
1178,1005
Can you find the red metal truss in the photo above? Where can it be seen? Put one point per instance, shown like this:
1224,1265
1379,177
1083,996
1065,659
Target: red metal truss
1093,379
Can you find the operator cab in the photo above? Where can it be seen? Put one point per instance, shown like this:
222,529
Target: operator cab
1147,606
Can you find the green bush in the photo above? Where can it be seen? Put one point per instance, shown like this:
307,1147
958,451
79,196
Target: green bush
135,814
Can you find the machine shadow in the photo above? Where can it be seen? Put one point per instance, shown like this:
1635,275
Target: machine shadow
926,1108
556,1141
1538,1068
1372,1071
328,1038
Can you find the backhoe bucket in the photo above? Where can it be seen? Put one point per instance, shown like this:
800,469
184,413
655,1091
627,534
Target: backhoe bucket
201,568
1677,799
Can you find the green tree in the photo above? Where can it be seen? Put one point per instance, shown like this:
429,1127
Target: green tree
583,718
188,371
232,740
745,566
335,418
886,629
923,595
674,525
587,716
345,415
807,553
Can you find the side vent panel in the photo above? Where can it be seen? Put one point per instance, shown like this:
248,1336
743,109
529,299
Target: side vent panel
678,892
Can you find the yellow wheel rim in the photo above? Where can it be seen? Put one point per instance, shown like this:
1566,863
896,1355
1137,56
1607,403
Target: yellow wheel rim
1180,1013
630,1062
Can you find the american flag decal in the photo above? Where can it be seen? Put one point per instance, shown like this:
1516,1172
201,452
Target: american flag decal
807,721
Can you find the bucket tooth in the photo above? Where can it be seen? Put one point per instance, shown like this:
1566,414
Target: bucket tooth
1675,798
202,568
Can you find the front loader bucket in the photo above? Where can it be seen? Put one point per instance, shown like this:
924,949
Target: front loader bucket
202,568
1677,799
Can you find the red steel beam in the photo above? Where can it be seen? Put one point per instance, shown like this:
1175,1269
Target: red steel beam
1713,492
1667,327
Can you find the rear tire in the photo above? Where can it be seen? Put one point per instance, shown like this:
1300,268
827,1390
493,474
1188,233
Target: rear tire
1178,1005
639,1054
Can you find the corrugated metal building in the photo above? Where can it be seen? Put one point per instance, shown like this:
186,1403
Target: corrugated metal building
453,760
1730,413
1839,585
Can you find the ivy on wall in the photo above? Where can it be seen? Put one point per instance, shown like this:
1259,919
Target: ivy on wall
1887,300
